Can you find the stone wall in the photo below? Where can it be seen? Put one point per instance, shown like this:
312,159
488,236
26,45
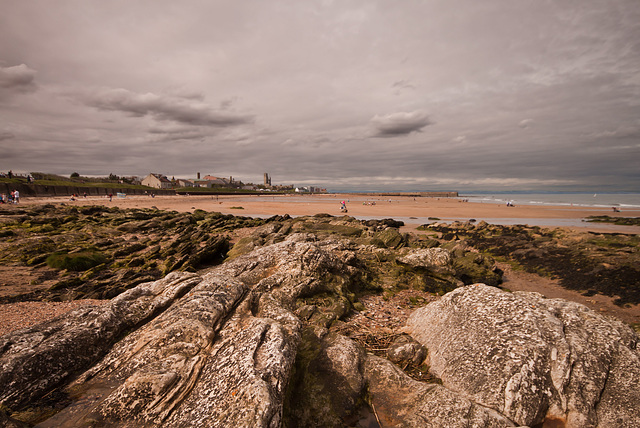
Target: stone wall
31,190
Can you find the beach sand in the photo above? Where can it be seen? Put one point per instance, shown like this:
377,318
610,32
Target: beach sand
413,211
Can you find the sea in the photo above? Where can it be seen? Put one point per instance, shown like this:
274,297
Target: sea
596,200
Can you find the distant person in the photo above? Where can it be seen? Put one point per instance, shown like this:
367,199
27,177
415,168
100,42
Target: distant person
10,174
16,197
110,196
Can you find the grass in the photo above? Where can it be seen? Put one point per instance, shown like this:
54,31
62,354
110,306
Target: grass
57,180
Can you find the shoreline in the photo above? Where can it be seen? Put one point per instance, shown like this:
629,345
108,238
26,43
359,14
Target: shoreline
413,211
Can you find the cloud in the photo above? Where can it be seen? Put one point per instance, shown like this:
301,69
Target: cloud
460,139
620,132
18,78
403,84
526,123
163,108
176,132
396,124
6,136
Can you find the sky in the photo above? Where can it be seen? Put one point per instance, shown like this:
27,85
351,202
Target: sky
363,95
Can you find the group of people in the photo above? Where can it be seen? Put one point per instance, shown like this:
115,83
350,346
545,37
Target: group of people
13,198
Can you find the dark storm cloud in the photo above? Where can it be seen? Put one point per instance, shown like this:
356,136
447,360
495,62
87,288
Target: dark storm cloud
396,124
18,78
163,108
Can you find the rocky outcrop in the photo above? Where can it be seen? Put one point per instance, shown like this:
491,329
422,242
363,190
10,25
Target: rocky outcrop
35,361
261,340
532,359
222,354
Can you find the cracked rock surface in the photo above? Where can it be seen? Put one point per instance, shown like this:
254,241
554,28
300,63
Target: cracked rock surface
532,359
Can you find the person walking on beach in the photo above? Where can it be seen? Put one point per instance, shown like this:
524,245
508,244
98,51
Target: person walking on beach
110,196
16,197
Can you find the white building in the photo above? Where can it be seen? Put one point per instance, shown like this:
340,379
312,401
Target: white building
157,181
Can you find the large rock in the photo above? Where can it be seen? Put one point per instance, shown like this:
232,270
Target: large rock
38,359
219,355
532,359
398,400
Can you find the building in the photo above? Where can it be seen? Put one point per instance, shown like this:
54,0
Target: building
185,183
217,181
157,181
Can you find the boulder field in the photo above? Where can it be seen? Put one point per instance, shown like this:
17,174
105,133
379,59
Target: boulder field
257,341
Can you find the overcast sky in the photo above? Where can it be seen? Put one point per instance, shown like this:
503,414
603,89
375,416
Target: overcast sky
362,94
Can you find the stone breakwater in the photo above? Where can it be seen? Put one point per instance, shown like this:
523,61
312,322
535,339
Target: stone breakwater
264,339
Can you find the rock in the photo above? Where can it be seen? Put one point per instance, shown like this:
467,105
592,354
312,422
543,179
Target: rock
399,400
220,355
7,422
38,359
405,350
328,383
430,258
259,340
390,238
532,359
474,267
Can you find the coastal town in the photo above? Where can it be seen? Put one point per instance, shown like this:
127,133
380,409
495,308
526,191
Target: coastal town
13,185
160,181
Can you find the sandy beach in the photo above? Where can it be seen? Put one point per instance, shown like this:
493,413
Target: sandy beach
413,211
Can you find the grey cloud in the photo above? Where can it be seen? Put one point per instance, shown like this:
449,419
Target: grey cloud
526,123
316,77
19,78
403,84
620,132
176,133
163,108
6,136
401,123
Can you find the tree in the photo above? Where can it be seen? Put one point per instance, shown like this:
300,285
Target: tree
74,175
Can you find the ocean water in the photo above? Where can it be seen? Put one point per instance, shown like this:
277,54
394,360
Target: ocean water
595,200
